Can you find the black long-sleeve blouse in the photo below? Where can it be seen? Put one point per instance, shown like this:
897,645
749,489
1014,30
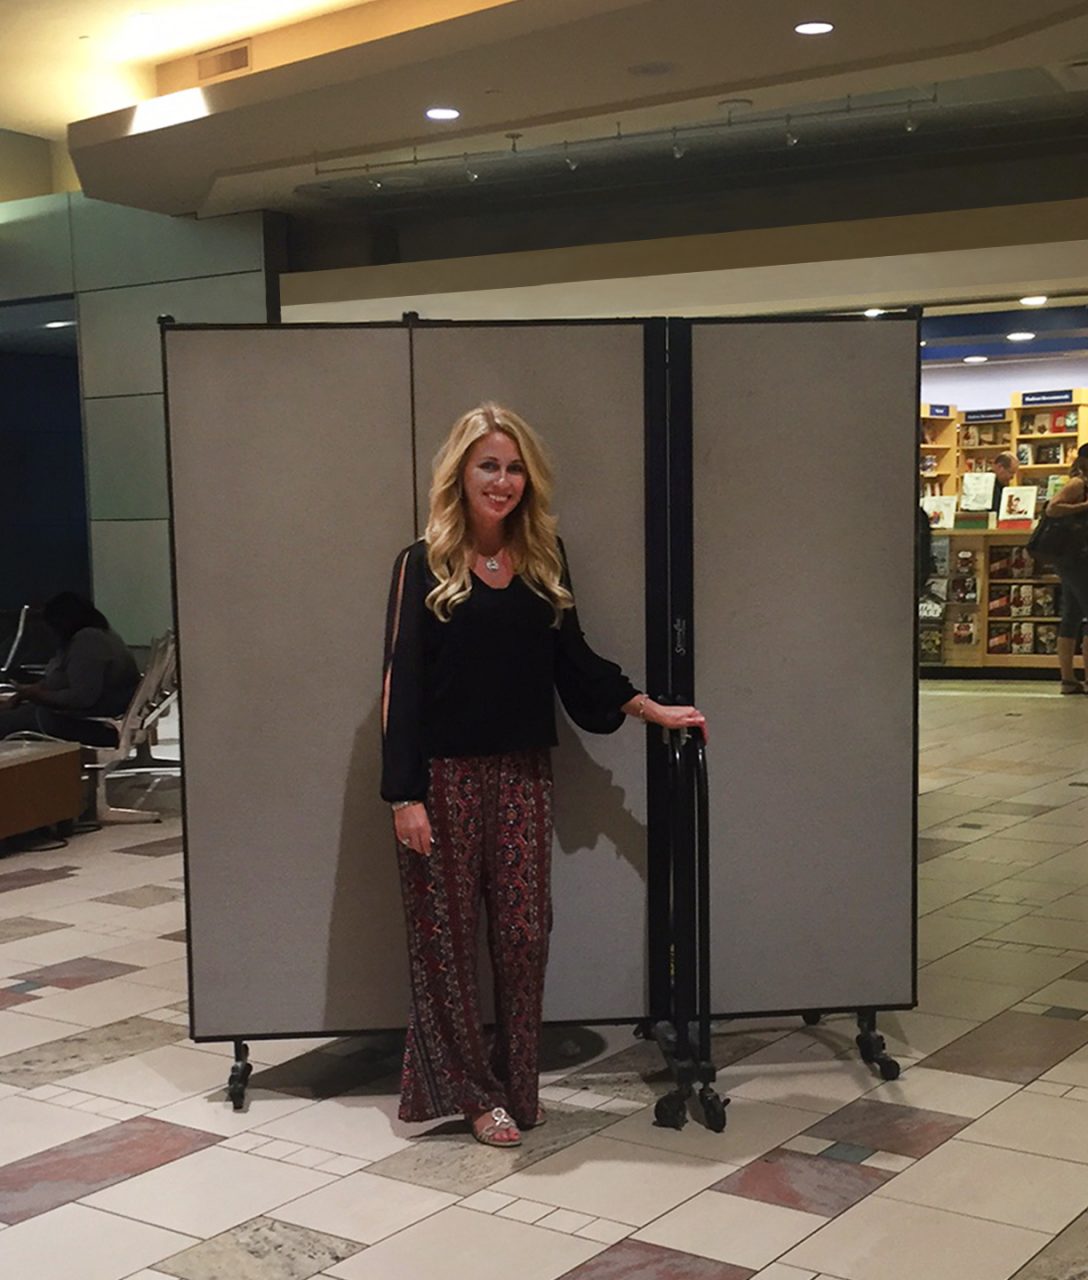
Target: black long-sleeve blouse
484,682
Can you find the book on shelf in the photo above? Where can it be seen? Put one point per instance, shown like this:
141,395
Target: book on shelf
1030,423
963,590
937,588
999,638
941,511
1054,486
977,491
1022,639
1023,454
1046,637
1021,563
1045,601
999,602
1001,562
988,435
1049,454
1021,598
930,644
939,553
930,609
1017,509
964,630
970,438
965,563
973,520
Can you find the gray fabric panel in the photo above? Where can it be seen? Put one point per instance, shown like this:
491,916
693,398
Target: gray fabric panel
805,460
291,474
582,388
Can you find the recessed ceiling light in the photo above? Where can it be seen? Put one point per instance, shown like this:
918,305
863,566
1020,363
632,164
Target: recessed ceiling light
922,343
58,324
1020,337
1034,300
814,28
443,113
975,359
873,312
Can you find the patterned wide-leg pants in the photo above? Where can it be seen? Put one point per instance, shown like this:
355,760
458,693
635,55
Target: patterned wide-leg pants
491,817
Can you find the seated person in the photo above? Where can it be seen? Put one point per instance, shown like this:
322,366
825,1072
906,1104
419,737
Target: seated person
91,674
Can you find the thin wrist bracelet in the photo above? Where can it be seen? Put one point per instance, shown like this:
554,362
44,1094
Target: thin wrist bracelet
642,697
403,804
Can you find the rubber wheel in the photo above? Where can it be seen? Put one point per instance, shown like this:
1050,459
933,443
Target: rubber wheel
714,1112
889,1069
670,1112
811,1019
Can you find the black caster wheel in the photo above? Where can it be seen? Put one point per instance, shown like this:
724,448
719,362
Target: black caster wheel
665,1035
889,1069
868,1047
714,1110
643,1031
236,1085
811,1018
671,1112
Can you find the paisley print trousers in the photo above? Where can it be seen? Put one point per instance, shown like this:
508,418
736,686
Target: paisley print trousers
491,817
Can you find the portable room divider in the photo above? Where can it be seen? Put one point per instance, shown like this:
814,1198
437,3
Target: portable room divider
299,461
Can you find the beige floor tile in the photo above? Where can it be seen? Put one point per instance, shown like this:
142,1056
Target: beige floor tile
1072,907
617,1180
525,1211
605,1232
821,1087
997,913
18,1032
1070,867
153,951
911,1034
27,1127
1025,970
77,1243
209,1191
1073,1071
752,1129
56,948
102,1003
939,934
963,997
1003,848
458,1244
895,1241
968,876
362,1126
214,1113
1060,833
732,1229
1032,887
1039,931
1013,1187
1065,994
935,810
956,1095
363,1207
154,1079
779,1271
172,975
1034,1123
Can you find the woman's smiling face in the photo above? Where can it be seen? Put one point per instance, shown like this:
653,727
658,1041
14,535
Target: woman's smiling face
494,479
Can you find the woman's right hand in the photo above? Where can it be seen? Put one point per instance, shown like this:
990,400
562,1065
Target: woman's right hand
413,827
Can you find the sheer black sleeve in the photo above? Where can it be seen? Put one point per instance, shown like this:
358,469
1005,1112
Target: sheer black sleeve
404,768
591,688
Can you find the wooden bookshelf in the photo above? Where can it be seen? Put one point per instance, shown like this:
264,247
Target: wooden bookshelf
983,434
983,546
938,450
1054,421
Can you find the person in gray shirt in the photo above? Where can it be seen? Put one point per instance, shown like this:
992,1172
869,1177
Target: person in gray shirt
92,674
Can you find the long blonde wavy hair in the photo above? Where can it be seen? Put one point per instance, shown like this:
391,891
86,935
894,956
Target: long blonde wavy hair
531,540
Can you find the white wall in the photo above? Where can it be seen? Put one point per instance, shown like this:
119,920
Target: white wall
990,386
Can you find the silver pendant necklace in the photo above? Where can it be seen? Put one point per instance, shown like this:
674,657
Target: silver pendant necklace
492,562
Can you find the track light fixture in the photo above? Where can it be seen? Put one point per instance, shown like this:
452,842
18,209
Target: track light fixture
679,151
568,159
791,138
910,124
470,172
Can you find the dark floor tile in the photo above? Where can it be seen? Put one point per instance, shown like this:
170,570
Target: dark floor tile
1080,974
930,847
17,927
846,1153
182,935
9,999
1070,1015
143,895
1064,1258
795,1180
154,848
75,1169
636,1260
261,1249
447,1159
1017,1047
96,1047
885,1126
30,876
81,972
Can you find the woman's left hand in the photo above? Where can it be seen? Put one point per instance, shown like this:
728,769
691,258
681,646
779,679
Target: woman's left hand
674,717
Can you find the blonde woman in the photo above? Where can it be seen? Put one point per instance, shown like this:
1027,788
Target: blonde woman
481,631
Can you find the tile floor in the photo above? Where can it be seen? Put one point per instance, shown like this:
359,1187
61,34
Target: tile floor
119,1156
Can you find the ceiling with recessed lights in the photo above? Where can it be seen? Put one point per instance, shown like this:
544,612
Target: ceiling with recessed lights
597,90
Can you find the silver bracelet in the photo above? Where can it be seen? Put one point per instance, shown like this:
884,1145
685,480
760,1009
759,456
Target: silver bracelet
403,804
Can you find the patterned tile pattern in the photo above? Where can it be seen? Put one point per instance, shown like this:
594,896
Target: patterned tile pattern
884,1126
812,1184
56,1059
636,1260
261,1249
1012,1046
72,974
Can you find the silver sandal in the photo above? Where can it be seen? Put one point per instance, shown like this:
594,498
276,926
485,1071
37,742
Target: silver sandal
501,1122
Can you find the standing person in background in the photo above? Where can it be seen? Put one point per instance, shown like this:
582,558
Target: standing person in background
91,675
1005,467
481,632
1071,504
